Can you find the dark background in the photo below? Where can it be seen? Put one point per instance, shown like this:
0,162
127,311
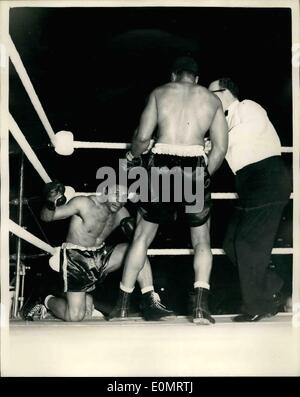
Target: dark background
93,68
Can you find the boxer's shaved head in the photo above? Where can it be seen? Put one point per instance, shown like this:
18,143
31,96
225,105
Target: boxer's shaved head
185,64
116,197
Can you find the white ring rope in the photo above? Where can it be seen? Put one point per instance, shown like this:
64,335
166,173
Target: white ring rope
20,138
214,196
18,64
65,144
101,145
215,251
120,145
30,238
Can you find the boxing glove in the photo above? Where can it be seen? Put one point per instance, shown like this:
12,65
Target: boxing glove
128,227
54,195
131,162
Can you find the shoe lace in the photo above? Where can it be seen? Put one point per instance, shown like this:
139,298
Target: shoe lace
156,301
156,296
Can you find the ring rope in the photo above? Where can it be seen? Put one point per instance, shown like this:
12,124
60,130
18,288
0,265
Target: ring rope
19,66
101,145
121,145
20,138
215,251
30,238
215,196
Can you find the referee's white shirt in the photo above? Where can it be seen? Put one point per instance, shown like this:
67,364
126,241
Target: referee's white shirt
251,137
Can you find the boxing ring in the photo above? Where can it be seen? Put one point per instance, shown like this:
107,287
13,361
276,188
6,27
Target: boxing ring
63,143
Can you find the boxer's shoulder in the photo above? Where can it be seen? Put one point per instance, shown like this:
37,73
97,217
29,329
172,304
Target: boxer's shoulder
214,101
209,96
81,201
162,89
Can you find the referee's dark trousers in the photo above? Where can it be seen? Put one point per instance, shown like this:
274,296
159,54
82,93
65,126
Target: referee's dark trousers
263,189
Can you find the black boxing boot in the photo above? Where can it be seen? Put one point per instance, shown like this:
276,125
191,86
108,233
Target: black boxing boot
152,309
121,309
201,313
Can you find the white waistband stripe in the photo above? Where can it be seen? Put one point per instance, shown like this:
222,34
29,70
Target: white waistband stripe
179,150
80,247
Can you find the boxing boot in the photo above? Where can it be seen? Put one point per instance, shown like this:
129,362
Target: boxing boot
33,310
121,309
241,318
152,309
201,313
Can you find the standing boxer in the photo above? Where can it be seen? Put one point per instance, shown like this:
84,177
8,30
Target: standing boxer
263,186
183,112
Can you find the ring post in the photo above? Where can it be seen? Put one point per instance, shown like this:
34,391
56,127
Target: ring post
19,241
296,172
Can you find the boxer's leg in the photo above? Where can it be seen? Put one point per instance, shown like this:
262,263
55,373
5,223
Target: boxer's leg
202,252
75,304
202,266
117,258
151,306
137,254
73,308
89,307
145,278
134,262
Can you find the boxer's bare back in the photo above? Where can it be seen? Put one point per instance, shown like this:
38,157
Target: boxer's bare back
185,112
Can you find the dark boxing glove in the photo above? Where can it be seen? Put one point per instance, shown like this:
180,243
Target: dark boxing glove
131,162
54,195
128,227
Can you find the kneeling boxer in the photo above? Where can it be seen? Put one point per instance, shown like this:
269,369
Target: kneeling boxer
85,258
